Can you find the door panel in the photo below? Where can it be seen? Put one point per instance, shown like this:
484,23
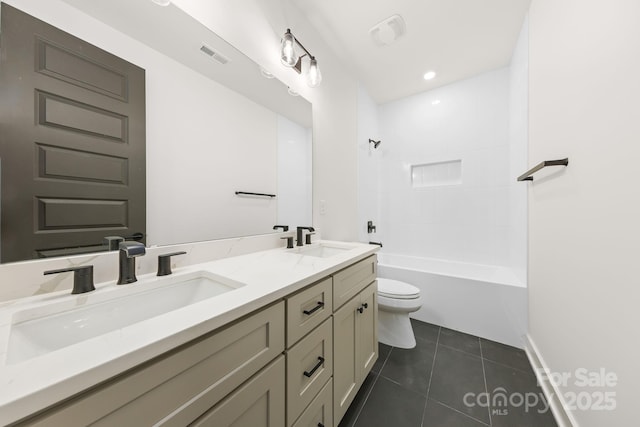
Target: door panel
72,142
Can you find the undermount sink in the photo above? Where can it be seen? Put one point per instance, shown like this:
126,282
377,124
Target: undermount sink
47,328
323,250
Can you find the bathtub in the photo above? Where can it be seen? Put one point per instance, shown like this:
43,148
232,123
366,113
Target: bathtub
483,300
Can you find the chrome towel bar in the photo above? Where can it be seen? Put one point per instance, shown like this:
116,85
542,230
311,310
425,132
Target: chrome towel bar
527,175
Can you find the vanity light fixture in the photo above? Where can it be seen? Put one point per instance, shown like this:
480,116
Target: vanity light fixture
290,58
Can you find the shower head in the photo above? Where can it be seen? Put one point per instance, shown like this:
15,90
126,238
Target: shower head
375,143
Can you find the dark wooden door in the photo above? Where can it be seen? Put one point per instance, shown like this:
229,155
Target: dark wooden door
72,142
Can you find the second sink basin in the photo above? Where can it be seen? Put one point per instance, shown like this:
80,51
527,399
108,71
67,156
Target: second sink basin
37,331
324,250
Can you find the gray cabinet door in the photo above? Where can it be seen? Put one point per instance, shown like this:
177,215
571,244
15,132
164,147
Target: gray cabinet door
367,332
345,364
355,334
72,142
260,402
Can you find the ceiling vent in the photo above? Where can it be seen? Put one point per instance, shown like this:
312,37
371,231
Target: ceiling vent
207,50
388,31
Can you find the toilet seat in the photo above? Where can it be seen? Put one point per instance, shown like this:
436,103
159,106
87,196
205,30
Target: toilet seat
395,289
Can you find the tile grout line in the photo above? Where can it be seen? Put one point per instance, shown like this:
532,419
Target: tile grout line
460,351
433,364
510,366
364,402
461,413
484,376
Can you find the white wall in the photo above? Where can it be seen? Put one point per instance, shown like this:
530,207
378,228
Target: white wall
468,222
584,220
255,27
295,196
199,147
518,146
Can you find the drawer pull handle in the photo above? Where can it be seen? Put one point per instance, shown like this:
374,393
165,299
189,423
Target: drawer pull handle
314,309
315,368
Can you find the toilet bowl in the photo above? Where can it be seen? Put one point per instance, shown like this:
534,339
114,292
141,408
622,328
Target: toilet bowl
395,301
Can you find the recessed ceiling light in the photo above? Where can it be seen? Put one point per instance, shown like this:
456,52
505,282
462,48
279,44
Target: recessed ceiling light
429,75
162,2
435,102
266,73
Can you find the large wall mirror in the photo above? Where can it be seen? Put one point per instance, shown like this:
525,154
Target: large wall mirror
216,124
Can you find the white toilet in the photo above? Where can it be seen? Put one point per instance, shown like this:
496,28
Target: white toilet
395,301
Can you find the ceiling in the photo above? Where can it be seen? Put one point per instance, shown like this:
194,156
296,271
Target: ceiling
455,38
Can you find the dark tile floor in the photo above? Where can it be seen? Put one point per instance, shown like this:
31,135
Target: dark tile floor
450,379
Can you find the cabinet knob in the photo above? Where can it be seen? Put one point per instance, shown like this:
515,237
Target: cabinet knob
360,310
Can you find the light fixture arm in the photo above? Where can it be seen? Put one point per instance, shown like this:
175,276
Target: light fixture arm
300,44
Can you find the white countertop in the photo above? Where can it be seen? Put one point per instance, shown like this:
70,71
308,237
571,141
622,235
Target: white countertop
34,384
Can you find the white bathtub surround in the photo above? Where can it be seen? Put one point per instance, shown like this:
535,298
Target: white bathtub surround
465,222
483,300
368,166
267,276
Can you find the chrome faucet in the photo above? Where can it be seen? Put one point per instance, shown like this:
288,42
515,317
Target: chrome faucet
299,232
128,253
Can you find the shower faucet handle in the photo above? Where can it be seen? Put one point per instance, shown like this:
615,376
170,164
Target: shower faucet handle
370,227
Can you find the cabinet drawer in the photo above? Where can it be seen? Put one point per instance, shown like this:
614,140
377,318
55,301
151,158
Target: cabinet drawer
348,282
320,410
309,366
307,309
257,403
175,388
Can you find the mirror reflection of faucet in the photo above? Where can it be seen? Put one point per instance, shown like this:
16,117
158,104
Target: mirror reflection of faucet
370,227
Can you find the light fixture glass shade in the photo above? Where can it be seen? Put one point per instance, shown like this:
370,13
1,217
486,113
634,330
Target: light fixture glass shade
162,2
313,75
288,54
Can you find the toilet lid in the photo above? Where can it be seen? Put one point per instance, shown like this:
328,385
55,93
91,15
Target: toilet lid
396,289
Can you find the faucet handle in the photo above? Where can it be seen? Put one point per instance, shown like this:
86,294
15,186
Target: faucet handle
164,263
283,227
307,238
289,242
82,278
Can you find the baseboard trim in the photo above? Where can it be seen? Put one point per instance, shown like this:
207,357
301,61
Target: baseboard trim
564,417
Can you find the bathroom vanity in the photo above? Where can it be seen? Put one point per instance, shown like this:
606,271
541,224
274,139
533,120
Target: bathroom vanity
288,342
